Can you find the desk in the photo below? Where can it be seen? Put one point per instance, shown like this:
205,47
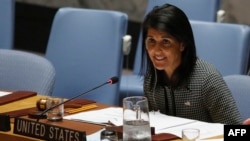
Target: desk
30,102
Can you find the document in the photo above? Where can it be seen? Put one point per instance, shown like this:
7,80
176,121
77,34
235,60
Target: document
95,136
3,93
207,130
103,116
212,139
162,123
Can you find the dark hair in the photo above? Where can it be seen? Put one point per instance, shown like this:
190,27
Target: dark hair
170,19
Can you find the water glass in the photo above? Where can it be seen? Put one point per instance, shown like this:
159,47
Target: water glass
109,135
136,124
55,114
190,134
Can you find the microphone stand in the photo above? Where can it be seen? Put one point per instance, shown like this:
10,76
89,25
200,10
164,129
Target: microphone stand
111,81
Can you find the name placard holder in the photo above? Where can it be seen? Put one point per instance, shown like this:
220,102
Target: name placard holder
48,132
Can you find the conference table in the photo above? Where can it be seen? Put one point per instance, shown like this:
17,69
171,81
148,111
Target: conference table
31,102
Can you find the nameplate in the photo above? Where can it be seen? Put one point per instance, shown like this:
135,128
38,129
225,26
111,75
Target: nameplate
47,132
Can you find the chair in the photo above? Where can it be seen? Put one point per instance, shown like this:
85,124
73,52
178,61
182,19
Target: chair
7,20
239,85
85,46
204,10
20,70
227,46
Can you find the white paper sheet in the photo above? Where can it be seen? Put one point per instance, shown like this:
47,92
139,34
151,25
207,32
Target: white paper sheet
106,115
206,129
162,121
212,139
95,136
3,93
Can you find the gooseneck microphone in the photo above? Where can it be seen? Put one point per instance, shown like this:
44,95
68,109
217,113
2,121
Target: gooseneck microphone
112,80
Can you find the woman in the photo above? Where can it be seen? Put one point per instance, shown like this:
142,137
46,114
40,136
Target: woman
176,81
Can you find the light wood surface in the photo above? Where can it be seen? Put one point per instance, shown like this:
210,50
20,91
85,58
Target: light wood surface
21,104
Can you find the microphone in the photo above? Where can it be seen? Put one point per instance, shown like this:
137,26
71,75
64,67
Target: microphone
112,80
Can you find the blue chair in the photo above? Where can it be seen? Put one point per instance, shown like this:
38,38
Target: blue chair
20,70
227,46
85,46
239,85
7,20
204,10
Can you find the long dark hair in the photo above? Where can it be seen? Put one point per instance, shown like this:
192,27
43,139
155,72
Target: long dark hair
170,19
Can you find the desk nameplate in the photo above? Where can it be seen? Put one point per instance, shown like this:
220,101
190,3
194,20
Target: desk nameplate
45,131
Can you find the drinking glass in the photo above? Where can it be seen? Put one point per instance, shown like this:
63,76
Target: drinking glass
55,114
136,124
109,135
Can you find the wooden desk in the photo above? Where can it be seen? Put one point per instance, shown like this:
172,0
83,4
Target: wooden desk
31,102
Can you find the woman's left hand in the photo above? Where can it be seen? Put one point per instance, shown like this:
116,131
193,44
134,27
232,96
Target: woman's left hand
246,122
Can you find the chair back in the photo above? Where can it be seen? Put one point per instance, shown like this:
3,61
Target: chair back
7,20
20,70
239,85
85,46
203,10
227,46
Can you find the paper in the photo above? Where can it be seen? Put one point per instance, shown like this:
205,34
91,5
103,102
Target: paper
206,129
106,115
162,123
3,93
212,139
95,136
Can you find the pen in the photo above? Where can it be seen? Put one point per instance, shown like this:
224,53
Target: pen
92,122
